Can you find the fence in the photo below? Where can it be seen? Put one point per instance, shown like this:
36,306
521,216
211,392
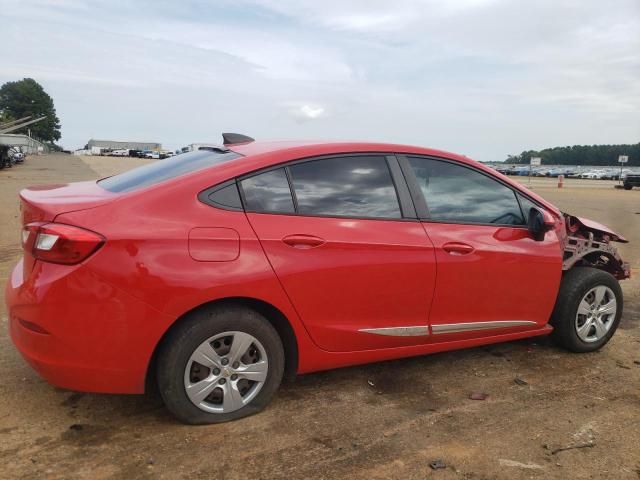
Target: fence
26,144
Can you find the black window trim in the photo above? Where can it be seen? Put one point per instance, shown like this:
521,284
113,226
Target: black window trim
402,194
422,206
204,195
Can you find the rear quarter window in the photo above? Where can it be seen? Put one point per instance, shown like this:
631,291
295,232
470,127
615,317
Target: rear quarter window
162,170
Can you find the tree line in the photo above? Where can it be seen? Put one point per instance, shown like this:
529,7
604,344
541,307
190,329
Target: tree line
581,155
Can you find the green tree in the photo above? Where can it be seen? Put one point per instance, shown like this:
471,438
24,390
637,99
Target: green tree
27,97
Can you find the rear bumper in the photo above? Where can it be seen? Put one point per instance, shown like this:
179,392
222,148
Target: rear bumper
80,333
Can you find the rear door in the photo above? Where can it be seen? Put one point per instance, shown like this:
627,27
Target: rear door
342,237
493,277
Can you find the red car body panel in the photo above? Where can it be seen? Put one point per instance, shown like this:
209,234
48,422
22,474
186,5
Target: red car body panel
506,276
366,274
95,326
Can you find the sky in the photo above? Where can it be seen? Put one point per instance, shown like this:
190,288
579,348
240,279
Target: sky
484,78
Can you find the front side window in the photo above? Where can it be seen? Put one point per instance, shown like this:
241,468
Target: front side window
457,194
268,192
354,186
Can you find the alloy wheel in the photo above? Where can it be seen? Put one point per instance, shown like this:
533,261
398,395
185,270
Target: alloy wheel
596,314
226,372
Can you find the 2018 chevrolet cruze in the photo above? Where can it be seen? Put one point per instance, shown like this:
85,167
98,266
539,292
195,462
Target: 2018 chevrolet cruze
217,272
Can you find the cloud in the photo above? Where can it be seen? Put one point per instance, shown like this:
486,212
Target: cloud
482,77
306,111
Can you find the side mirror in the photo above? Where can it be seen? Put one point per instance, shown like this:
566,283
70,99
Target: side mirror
539,223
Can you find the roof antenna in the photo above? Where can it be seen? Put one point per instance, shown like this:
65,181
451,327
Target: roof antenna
233,138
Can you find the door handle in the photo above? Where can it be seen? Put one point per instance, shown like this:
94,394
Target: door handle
457,248
303,241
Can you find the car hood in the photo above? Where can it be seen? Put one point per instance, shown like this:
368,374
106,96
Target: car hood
578,223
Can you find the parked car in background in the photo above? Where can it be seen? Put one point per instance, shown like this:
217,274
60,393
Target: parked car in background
630,180
16,155
556,172
593,174
614,174
233,266
119,153
5,159
503,170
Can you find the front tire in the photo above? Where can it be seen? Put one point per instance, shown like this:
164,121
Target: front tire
220,364
587,311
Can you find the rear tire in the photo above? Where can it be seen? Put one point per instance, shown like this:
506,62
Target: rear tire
230,359
627,186
587,311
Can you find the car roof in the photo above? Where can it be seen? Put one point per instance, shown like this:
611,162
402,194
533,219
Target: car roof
318,147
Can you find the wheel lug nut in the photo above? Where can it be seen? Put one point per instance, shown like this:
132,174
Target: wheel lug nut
222,381
236,364
224,361
216,371
234,377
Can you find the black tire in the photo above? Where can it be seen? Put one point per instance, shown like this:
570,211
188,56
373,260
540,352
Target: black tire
191,332
575,284
627,186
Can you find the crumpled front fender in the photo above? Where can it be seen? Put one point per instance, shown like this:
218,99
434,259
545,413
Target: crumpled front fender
588,243
575,224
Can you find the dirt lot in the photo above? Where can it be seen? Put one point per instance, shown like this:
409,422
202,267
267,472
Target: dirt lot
388,420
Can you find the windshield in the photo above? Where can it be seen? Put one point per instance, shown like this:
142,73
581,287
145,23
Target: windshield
162,170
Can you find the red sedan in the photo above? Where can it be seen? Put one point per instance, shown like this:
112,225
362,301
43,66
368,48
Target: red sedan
217,272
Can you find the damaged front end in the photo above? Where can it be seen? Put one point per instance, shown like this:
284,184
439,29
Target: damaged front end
588,243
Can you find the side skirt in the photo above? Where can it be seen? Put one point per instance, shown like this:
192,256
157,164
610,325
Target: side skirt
323,360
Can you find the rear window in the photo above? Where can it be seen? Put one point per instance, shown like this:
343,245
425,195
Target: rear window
162,170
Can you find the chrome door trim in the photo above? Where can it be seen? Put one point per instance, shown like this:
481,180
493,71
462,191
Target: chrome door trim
471,326
418,331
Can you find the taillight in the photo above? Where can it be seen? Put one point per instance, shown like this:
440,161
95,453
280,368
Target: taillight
59,243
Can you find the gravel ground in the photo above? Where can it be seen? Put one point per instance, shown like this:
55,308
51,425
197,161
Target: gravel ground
386,420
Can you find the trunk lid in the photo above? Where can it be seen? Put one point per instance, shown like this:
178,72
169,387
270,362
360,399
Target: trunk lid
43,203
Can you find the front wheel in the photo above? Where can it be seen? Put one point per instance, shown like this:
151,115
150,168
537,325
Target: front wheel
588,309
220,364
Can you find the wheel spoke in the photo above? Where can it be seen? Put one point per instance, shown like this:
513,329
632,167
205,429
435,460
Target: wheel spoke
240,345
601,330
232,399
197,392
584,308
609,308
206,355
583,331
599,295
254,371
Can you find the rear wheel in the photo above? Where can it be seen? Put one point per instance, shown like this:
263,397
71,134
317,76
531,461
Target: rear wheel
220,364
627,186
588,309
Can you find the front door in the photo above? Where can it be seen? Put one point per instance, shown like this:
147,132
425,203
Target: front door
360,275
493,277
